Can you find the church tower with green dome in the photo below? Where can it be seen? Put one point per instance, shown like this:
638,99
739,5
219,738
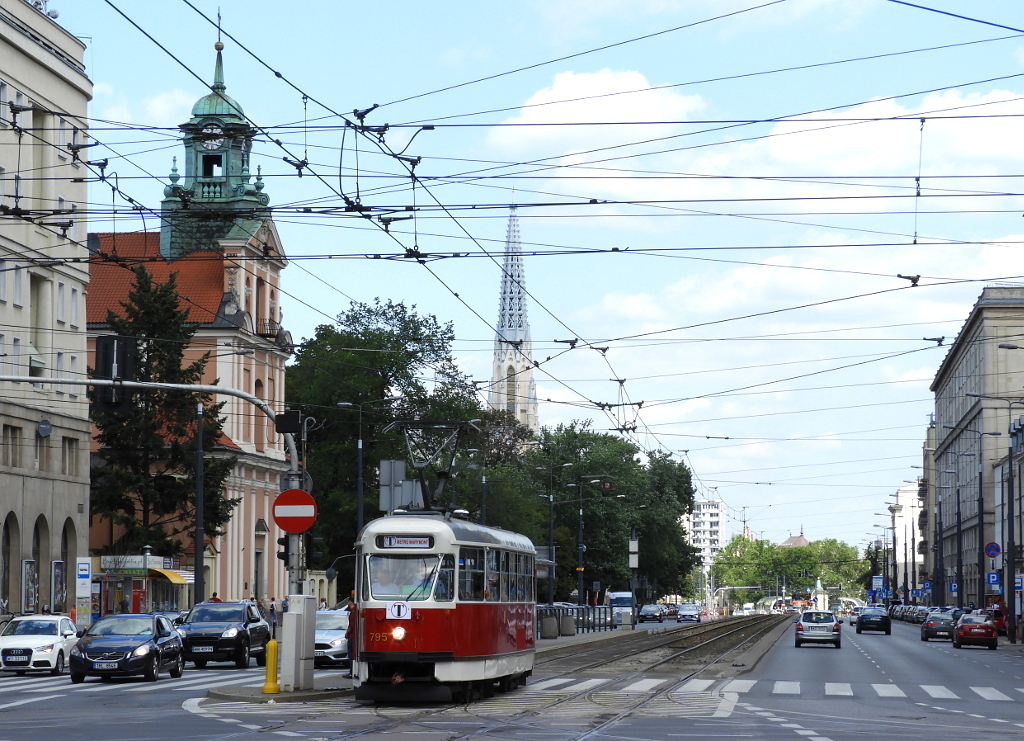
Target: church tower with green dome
215,200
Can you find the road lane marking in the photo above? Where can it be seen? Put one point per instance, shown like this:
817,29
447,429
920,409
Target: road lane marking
838,688
644,685
584,686
739,685
178,684
991,693
548,684
786,688
888,690
699,685
939,692
31,699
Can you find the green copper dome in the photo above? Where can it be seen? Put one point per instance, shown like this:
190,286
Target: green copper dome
218,103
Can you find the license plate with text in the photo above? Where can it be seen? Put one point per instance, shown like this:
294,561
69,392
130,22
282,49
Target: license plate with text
318,653
105,665
201,649
16,659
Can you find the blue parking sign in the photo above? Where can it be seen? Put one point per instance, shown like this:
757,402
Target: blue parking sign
926,585
993,577
952,587
871,594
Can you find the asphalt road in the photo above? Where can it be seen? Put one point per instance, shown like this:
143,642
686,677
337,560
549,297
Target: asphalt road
874,686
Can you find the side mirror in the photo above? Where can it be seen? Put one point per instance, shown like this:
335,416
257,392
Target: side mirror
840,621
81,632
163,633
68,633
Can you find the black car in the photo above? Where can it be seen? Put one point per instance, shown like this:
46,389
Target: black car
874,618
127,645
651,612
940,624
225,631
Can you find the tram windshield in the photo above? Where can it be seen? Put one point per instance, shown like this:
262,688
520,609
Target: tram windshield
402,577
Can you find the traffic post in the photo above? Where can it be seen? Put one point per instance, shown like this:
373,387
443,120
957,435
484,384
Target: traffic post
294,511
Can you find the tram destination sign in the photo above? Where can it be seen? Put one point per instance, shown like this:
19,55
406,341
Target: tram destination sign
405,541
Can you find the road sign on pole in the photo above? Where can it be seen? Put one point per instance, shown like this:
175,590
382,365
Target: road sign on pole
992,550
993,577
952,587
294,511
926,585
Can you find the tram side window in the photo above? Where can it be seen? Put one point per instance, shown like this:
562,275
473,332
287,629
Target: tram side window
520,580
493,592
504,576
444,591
531,580
471,574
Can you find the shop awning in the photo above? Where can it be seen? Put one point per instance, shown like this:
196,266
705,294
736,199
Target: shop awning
176,577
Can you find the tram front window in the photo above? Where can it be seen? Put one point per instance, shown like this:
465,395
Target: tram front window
402,577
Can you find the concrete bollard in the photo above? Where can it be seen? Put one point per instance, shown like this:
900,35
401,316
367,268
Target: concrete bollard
549,627
270,685
567,625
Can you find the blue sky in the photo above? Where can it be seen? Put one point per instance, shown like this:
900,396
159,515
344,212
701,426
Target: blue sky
825,406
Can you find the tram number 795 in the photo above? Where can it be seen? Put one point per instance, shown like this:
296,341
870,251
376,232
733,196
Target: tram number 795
378,636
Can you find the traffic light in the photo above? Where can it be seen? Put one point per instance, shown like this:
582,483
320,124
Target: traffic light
312,554
285,555
115,360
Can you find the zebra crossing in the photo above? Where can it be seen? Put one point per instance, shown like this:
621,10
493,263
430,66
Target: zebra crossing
34,688
783,689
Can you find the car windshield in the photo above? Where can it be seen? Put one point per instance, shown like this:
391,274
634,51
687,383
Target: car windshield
332,621
31,628
402,577
626,601
975,619
819,617
217,614
689,606
650,608
872,611
122,626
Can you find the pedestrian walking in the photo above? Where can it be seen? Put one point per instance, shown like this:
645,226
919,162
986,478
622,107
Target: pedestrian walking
272,618
323,604
215,598
350,630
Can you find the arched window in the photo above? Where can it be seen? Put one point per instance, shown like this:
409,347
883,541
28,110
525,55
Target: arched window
6,536
260,436
510,390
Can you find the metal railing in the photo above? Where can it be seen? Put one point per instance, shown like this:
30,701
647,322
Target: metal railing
586,619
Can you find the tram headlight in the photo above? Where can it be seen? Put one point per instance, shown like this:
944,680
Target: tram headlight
398,633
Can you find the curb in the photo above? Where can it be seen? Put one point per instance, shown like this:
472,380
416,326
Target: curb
255,694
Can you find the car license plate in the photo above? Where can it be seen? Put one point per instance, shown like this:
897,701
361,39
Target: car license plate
977,630
819,629
202,649
318,653
16,659
105,665
942,632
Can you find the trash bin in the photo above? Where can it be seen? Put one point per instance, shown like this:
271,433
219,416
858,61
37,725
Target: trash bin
567,625
549,627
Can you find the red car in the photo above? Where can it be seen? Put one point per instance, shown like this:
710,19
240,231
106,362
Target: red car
975,630
997,616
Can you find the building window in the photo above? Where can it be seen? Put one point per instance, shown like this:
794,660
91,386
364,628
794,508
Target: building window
510,390
11,442
18,281
69,456
60,302
16,357
3,104
74,307
73,373
62,136
60,372
3,184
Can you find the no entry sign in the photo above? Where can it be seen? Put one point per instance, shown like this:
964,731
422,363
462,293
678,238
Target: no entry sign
294,511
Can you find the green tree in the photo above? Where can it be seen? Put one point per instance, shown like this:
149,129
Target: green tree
145,480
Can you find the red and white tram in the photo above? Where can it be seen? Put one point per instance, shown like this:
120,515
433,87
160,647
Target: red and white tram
445,608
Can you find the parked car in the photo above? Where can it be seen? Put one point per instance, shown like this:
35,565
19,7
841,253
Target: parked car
940,624
225,631
651,613
127,645
689,612
854,613
331,647
818,626
975,630
998,618
872,618
670,610
37,643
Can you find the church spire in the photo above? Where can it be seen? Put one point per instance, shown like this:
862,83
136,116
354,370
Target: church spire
512,386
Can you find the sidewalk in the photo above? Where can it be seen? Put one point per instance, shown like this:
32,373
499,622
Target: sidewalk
336,686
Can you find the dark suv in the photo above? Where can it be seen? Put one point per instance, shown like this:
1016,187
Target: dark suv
225,631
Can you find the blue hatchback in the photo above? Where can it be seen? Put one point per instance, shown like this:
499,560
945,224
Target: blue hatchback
127,645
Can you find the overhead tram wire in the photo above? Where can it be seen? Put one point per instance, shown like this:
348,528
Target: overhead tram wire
580,54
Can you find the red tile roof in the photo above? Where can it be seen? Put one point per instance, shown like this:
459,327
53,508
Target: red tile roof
200,276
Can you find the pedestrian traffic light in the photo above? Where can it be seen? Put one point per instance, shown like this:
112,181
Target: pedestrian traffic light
312,554
285,555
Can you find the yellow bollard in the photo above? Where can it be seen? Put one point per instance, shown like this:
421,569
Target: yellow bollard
270,685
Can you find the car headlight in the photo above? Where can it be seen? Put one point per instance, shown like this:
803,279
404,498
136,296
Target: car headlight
229,633
337,642
46,649
76,651
398,633
141,651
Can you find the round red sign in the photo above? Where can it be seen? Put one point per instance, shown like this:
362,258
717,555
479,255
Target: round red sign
294,511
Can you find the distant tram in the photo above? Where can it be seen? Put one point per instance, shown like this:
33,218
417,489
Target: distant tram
445,609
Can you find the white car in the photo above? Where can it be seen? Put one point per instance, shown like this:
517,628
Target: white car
37,643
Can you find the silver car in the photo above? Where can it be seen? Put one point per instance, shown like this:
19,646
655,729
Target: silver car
331,648
818,626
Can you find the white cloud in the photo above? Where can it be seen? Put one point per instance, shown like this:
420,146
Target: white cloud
169,108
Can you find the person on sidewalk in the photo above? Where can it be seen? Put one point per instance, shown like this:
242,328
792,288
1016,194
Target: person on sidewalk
272,618
350,631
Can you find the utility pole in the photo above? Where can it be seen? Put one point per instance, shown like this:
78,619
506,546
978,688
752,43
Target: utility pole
199,586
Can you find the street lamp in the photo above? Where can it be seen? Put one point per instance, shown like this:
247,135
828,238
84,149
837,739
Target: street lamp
359,455
1010,547
551,527
580,547
959,532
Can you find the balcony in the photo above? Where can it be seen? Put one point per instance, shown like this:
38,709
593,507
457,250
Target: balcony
267,328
